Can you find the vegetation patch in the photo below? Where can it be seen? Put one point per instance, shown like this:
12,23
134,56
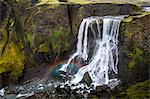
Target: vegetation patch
59,41
139,90
137,57
12,60
50,3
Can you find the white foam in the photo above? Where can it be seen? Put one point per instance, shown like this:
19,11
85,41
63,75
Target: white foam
105,55
2,92
24,95
147,9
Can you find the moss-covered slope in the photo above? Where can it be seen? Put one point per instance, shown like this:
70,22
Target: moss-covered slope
31,35
134,48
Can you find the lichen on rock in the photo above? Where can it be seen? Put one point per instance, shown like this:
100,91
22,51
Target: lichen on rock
12,60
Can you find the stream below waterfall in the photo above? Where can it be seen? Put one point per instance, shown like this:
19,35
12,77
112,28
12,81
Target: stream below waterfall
96,51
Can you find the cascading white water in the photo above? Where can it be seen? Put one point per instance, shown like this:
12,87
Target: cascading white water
99,51
104,57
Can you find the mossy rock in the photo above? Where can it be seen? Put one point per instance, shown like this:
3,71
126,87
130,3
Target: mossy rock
139,90
81,1
40,30
44,48
135,2
51,3
12,60
59,41
134,45
47,28
51,47
12,57
137,57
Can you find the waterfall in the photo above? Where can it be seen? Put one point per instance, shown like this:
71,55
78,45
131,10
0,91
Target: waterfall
102,61
97,48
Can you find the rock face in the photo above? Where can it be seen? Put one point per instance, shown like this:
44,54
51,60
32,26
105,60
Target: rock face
134,49
32,34
12,58
136,2
47,28
79,11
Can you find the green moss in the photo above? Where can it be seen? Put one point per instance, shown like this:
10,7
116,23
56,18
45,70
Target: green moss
35,40
128,19
50,3
81,1
3,33
142,15
23,1
92,1
12,60
131,18
135,2
55,43
94,97
30,37
59,40
3,39
44,48
137,57
46,1
127,33
139,90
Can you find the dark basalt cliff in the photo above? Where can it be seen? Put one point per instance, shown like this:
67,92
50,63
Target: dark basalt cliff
40,32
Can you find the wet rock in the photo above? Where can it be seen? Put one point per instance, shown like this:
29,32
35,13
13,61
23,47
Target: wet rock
71,70
99,88
11,96
87,79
